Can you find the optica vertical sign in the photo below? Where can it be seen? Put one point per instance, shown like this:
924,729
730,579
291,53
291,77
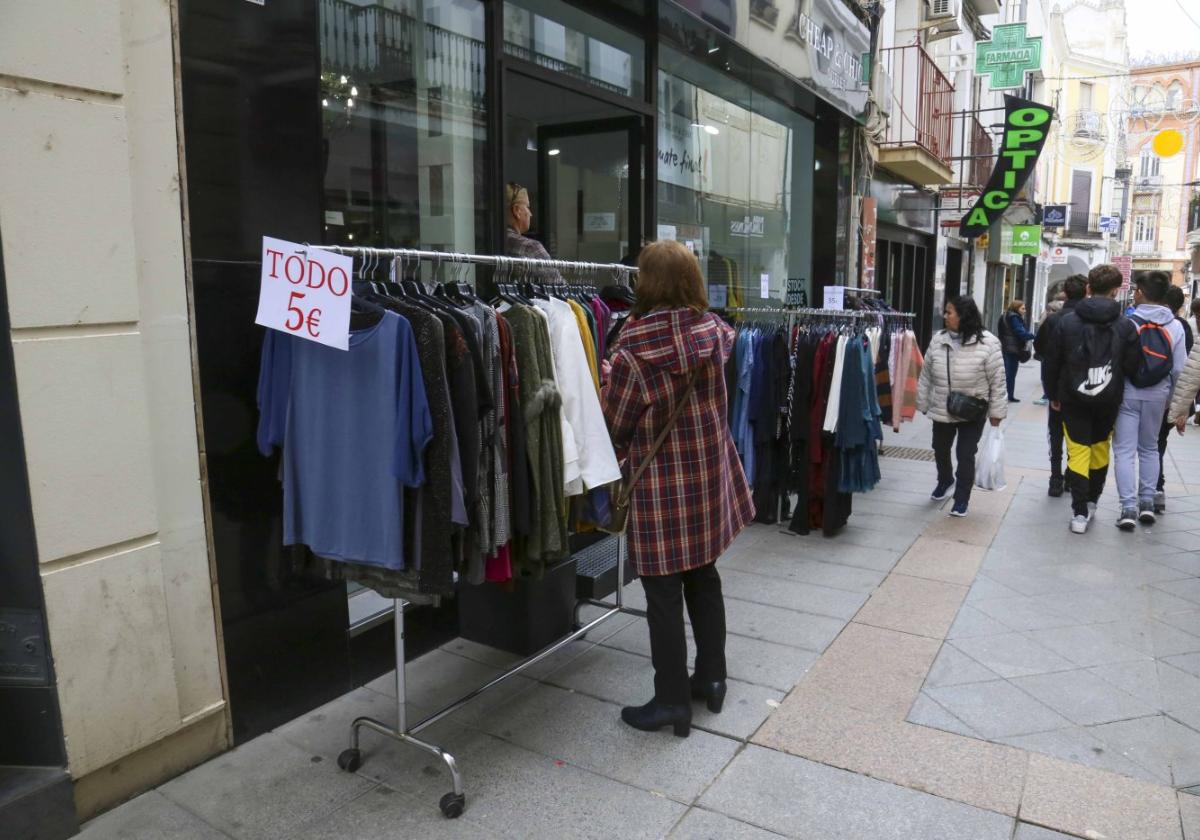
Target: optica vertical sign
1026,125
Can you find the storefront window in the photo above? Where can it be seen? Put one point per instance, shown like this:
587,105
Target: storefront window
735,183
405,121
562,38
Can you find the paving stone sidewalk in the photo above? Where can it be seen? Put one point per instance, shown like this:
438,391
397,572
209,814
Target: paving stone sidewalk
854,626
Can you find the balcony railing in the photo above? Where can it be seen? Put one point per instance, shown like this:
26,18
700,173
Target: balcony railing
983,152
379,46
1084,225
922,102
1144,248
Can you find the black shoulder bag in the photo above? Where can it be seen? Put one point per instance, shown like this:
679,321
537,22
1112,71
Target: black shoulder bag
963,406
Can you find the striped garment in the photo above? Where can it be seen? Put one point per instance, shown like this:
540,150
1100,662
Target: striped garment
693,498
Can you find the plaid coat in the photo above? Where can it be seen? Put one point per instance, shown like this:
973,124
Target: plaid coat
693,499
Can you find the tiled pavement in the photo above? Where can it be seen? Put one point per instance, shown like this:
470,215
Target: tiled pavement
880,688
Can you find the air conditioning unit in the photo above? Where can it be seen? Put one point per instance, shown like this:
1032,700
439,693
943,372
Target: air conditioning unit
944,9
882,90
943,19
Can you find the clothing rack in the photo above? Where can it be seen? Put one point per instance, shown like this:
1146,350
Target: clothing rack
453,804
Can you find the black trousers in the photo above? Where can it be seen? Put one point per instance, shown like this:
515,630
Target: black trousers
1054,425
968,435
1088,431
665,596
1163,436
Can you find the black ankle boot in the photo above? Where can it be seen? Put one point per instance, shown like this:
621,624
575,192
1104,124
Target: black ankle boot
713,692
655,715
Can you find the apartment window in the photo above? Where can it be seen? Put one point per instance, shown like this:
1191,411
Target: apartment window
1149,164
1144,230
1175,96
1086,90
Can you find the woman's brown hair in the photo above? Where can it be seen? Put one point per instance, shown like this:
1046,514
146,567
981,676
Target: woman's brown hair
669,278
1016,305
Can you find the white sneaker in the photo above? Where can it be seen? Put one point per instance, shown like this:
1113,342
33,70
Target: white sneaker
1079,524
1091,511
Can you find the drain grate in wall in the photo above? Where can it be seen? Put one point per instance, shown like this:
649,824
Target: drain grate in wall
907,453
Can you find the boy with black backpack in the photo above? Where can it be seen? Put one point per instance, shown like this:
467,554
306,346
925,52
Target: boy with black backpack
1092,350
1161,356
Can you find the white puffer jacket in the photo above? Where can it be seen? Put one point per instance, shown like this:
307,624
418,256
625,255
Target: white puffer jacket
1186,387
978,370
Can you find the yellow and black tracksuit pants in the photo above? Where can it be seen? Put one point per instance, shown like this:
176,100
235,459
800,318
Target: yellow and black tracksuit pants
1087,431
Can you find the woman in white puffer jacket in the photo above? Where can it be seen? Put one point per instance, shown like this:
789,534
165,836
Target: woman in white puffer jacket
967,359
1186,388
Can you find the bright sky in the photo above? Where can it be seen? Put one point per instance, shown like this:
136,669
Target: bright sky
1158,26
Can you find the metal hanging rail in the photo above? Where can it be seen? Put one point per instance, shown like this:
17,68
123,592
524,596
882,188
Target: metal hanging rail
453,804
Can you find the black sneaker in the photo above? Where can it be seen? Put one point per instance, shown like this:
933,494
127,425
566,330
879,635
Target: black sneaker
942,492
1127,521
1057,485
1146,513
1160,502
959,509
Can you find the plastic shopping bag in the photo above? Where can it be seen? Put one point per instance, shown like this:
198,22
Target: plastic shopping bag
989,463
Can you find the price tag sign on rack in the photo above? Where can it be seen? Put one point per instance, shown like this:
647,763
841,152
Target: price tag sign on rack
835,297
305,292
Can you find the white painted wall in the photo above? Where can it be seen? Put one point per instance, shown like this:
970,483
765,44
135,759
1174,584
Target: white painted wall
90,213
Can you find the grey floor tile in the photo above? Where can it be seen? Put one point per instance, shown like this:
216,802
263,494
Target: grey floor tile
970,623
1074,743
1026,831
800,798
792,595
953,667
1185,753
266,788
533,795
781,626
325,731
1141,740
1189,815
1151,636
701,824
628,679
897,544
749,660
1182,540
1084,698
1188,622
1178,689
1012,655
926,711
1086,645
494,657
1189,662
386,814
588,733
437,678
849,578
1023,613
985,587
1137,679
997,709
149,817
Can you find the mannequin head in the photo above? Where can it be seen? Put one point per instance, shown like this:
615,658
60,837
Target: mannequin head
519,212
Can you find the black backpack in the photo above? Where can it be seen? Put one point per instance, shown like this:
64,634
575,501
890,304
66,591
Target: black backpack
1094,373
1156,359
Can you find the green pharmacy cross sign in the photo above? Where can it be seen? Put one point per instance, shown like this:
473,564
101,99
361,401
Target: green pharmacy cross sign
1008,57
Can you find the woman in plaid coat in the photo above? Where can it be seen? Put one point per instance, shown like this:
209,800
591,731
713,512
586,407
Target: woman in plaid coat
692,500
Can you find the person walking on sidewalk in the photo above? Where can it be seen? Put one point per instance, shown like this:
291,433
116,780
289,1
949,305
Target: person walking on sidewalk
1187,390
692,500
1075,288
964,369
1147,392
1174,302
1014,342
1094,347
1053,308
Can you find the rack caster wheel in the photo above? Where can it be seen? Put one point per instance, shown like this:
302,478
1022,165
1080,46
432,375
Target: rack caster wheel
452,805
350,760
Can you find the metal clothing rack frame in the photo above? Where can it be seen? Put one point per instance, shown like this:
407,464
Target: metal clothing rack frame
454,803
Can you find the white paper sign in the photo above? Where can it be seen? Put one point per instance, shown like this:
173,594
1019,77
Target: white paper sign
835,297
666,232
718,296
764,286
305,292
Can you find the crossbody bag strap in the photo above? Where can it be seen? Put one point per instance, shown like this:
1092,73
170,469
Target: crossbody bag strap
949,382
662,436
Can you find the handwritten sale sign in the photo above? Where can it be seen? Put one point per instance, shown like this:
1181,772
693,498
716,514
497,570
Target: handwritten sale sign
305,292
